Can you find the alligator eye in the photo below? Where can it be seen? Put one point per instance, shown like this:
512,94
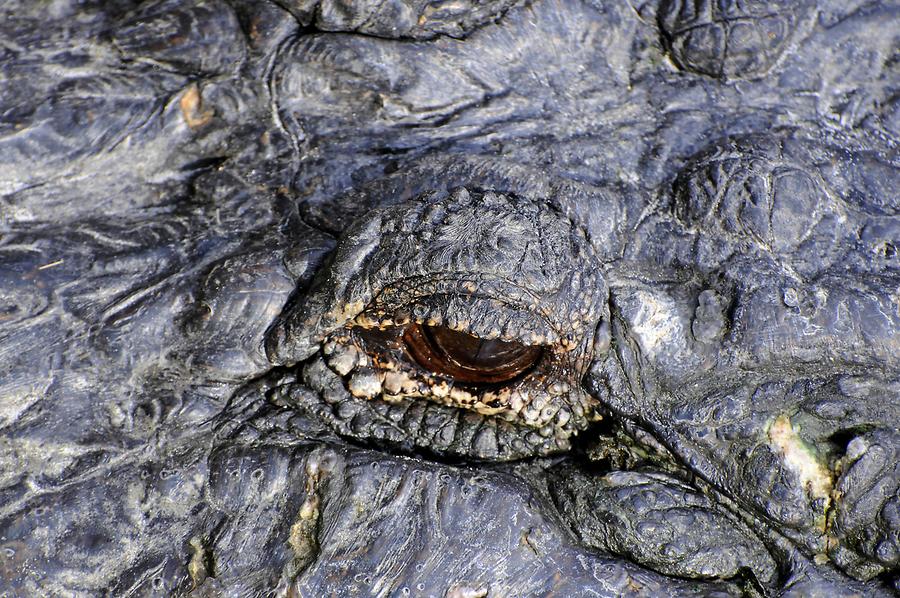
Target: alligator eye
461,322
466,358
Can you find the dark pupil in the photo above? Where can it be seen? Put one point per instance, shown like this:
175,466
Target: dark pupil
467,358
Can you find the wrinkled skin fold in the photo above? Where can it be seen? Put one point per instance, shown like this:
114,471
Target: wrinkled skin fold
253,255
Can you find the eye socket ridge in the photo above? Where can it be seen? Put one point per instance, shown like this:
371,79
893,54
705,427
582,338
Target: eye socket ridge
469,359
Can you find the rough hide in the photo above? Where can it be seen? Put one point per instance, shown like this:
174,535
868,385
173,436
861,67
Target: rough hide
244,246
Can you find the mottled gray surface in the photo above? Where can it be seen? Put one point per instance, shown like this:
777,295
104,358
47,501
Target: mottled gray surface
215,213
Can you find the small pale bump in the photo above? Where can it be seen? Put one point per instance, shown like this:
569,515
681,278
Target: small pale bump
790,297
347,410
461,325
531,415
568,343
393,383
539,400
393,399
489,396
389,365
343,360
364,384
365,321
534,439
559,388
602,339
509,416
517,402
548,412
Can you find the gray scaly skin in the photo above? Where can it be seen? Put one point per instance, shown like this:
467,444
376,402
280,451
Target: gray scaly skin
218,218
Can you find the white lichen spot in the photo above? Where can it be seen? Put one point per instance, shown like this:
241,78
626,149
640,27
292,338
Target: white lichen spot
463,591
197,568
655,323
801,459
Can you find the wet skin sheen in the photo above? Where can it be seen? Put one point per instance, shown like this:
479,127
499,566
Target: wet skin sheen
417,298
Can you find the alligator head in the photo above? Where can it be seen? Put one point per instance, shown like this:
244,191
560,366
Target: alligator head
452,299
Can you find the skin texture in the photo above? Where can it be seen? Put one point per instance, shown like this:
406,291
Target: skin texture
219,218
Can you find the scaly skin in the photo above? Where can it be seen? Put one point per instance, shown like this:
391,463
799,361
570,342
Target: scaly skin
219,219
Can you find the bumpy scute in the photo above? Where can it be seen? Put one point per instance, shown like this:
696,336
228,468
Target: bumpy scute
729,38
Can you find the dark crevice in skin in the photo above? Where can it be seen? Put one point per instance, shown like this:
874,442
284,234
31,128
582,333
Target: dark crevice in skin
842,437
778,545
302,216
392,151
312,29
587,440
418,452
205,164
890,579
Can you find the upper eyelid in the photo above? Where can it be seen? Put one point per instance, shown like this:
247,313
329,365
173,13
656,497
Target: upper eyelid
561,303
498,319
543,314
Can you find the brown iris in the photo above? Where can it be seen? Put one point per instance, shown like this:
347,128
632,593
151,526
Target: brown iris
466,358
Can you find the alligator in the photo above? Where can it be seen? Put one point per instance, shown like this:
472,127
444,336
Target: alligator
454,298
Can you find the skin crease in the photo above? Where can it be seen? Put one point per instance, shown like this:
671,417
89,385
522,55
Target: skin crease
218,219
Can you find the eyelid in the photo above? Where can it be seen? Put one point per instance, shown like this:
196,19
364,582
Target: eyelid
418,251
489,318
481,263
